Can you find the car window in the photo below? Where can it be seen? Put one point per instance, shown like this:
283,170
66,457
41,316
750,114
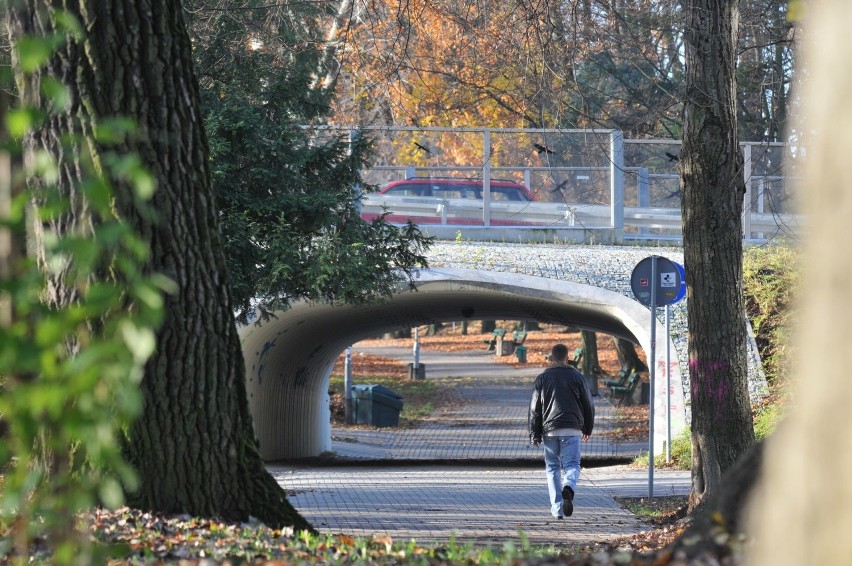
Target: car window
504,194
409,190
457,190
454,191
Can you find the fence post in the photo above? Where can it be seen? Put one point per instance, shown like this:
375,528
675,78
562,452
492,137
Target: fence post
616,184
643,188
747,198
486,178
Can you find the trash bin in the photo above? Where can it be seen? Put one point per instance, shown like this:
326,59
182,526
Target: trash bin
521,353
375,405
592,384
419,373
645,393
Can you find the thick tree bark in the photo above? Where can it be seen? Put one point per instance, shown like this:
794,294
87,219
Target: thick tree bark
713,188
194,446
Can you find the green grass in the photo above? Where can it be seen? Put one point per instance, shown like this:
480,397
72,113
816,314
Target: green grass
766,419
681,453
658,507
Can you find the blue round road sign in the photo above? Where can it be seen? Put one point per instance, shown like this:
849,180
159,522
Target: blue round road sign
664,276
682,293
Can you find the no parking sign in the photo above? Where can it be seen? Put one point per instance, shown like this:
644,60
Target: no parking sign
657,281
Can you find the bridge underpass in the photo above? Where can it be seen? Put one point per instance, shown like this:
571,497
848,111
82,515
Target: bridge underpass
289,358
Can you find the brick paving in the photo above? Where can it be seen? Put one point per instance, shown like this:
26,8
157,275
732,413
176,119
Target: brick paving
469,473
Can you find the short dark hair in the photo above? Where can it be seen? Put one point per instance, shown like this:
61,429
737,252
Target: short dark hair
559,353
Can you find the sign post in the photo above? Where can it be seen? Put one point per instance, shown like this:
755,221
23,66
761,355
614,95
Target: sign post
655,281
681,294
347,386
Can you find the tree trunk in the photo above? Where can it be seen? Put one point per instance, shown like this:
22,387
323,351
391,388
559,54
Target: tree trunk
627,355
713,188
590,362
803,511
194,446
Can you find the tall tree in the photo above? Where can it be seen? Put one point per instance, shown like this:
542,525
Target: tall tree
194,446
803,513
713,188
573,64
289,213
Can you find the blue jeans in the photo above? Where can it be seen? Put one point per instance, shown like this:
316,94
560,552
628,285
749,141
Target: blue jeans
562,464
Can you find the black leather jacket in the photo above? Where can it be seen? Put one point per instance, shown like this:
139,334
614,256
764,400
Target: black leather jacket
560,399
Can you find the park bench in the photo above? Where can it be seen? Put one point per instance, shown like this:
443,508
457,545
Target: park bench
501,345
578,357
621,377
496,335
624,393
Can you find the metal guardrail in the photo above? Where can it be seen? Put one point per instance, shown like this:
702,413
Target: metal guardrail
619,187
639,222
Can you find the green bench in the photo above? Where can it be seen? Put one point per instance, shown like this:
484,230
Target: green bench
624,393
503,346
496,335
621,378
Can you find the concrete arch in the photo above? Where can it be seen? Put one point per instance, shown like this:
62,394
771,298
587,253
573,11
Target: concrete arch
290,357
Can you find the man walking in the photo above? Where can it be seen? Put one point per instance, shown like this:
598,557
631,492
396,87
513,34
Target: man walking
561,413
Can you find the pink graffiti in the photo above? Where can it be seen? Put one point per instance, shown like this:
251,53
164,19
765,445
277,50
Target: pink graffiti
716,388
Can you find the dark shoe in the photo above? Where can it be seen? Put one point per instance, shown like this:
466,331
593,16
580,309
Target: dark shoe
567,500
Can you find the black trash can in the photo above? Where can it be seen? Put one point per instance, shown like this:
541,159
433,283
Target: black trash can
645,394
592,384
375,405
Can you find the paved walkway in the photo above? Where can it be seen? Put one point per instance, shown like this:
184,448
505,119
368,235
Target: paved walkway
469,473
491,423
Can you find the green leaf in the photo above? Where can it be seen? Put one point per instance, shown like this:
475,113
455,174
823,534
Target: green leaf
99,193
57,92
141,341
19,121
33,53
49,333
111,493
65,21
144,184
114,130
149,295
